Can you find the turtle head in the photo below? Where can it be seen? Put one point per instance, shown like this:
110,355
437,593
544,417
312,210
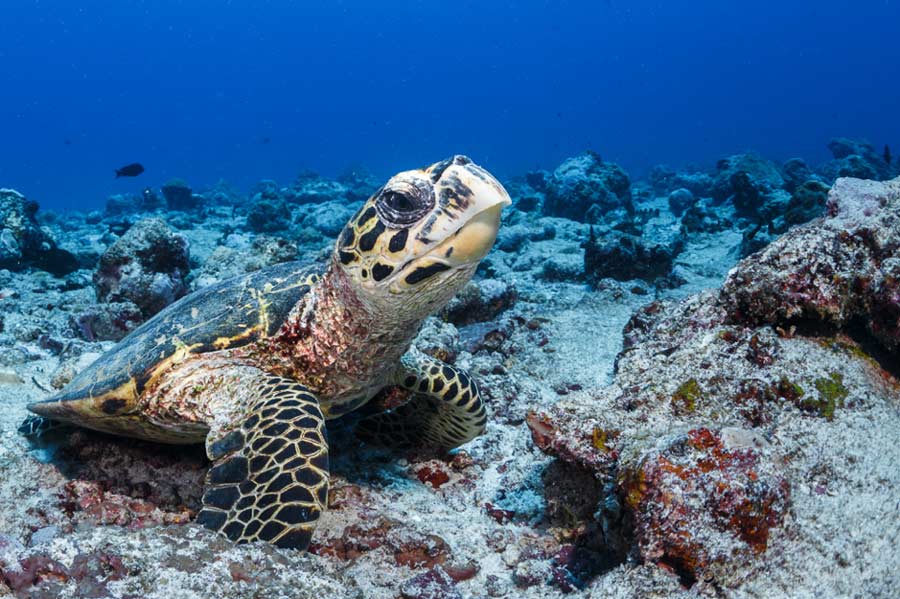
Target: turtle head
419,238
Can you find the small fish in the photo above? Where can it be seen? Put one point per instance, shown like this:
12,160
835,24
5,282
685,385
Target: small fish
130,170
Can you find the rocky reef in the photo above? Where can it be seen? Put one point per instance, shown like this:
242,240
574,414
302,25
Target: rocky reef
727,406
24,243
692,383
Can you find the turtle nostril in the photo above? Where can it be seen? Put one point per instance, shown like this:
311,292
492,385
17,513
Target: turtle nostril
461,160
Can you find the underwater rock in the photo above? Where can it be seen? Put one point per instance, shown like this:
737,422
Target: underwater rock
665,180
626,257
778,211
406,546
677,438
856,167
515,233
89,501
528,203
796,172
24,243
439,339
273,250
680,200
527,192
57,261
587,189
563,268
857,159
703,217
34,570
240,257
433,584
480,301
180,196
171,561
151,201
20,234
747,176
840,271
267,215
705,498
310,188
842,147
266,189
359,182
268,211
328,217
109,321
755,201
146,266
774,207
222,194
807,202
122,204
756,238
690,484
538,180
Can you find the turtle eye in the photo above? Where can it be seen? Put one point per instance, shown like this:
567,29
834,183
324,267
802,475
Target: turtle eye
399,202
403,202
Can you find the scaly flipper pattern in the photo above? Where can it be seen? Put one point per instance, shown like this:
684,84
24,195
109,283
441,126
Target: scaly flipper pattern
269,481
35,427
444,412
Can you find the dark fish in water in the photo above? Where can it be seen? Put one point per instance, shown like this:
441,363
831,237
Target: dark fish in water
130,170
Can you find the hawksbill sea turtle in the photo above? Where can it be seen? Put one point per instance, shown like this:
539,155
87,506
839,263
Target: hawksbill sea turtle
256,364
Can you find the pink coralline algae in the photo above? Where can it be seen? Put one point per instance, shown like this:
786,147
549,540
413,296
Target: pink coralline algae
89,571
89,501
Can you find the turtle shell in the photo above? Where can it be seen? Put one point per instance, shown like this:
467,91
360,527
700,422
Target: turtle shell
228,314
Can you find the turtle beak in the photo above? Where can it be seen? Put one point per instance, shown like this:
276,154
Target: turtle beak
474,240
484,200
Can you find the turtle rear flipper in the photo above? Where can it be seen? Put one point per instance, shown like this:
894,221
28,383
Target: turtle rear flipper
444,412
35,427
269,479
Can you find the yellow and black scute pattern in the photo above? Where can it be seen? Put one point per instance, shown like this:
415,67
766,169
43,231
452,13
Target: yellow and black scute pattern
233,313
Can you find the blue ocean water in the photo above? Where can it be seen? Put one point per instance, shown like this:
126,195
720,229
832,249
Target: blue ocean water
213,89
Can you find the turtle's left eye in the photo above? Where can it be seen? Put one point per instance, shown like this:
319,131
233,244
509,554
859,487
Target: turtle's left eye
403,202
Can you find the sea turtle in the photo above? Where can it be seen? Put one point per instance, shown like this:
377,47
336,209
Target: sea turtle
256,364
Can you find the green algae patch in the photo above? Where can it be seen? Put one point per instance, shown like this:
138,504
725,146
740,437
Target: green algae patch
832,394
685,398
603,440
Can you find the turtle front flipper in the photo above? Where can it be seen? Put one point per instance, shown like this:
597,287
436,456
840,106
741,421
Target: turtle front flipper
269,479
444,412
